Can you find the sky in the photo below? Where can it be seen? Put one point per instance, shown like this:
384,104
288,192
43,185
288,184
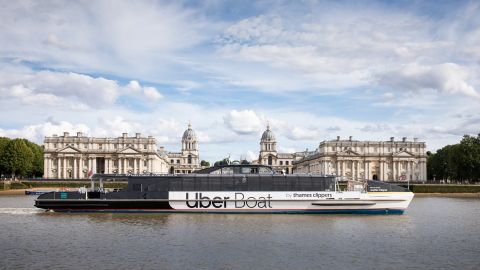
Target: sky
314,70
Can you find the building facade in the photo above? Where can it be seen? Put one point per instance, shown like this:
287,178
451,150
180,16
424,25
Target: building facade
280,162
73,157
188,160
383,160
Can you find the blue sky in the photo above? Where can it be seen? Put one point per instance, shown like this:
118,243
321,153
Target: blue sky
313,69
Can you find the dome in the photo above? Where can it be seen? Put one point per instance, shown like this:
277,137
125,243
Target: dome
268,135
189,134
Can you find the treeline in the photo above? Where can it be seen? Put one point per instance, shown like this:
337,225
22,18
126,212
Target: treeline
457,162
20,158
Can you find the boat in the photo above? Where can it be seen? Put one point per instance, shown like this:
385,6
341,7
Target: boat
232,189
37,191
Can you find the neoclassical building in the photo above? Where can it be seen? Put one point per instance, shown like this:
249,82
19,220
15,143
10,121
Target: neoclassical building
188,160
74,156
383,160
280,162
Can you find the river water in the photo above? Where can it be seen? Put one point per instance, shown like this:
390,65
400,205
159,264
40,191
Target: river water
434,233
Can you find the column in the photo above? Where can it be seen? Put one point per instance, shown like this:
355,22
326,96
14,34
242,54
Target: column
64,169
135,165
119,163
394,170
149,166
74,173
365,171
354,170
380,175
125,168
45,167
89,167
80,168
58,167
94,165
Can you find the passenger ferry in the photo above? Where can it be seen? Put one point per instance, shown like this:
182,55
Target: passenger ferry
232,189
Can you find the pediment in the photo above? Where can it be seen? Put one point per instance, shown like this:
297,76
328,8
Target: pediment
403,154
349,152
69,149
128,150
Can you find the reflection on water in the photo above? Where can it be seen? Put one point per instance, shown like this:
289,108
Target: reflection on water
435,233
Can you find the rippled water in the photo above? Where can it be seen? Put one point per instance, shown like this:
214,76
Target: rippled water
434,233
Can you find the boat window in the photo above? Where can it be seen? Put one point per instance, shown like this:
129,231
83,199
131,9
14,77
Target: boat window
215,184
253,183
175,184
227,170
201,183
264,170
266,183
304,184
246,170
188,184
227,183
137,187
280,184
162,185
318,184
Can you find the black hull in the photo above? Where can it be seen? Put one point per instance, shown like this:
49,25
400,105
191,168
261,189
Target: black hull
102,205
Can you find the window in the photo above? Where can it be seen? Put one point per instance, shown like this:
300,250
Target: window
145,163
281,162
100,146
137,187
286,162
270,160
54,145
172,161
178,161
189,159
144,146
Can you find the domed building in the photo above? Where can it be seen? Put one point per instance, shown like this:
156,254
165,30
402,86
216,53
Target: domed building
188,159
281,162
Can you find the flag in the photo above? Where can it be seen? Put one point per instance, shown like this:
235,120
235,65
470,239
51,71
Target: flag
90,173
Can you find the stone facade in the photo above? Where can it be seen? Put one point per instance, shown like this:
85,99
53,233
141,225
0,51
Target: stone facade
73,157
188,160
280,162
383,160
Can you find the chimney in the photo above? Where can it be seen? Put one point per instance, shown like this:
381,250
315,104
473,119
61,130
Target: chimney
338,138
137,135
79,134
124,135
350,138
392,139
415,139
404,139
66,134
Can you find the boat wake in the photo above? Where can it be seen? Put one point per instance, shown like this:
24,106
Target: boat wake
20,211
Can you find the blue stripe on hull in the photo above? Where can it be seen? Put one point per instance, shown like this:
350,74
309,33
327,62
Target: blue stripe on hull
326,211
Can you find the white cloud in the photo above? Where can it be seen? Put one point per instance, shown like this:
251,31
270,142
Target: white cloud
152,93
243,122
448,78
37,132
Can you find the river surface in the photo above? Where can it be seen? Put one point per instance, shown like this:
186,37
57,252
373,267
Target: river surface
434,233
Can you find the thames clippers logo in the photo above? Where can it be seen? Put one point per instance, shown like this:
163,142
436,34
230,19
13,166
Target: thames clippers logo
239,200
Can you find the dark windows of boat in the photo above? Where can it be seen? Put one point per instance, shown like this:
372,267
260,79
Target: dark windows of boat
215,183
189,159
304,183
253,183
280,184
318,185
201,183
176,184
152,187
189,184
266,182
162,185
264,170
137,187
269,160
228,183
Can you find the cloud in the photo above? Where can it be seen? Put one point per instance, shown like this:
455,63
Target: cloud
37,132
448,78
243,122
152,93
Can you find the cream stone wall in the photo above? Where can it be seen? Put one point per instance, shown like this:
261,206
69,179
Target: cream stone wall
73,157
383,160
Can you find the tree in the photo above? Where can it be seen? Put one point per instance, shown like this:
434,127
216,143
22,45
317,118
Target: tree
204,163
17,158
222,162
245,162
3,143
37,164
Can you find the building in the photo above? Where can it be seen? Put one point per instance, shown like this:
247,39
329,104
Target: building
73,157
188,160
280,162
383,160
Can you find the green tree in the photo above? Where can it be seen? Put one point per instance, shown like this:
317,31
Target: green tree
222,162
17,158
204,163
3,143
37,164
